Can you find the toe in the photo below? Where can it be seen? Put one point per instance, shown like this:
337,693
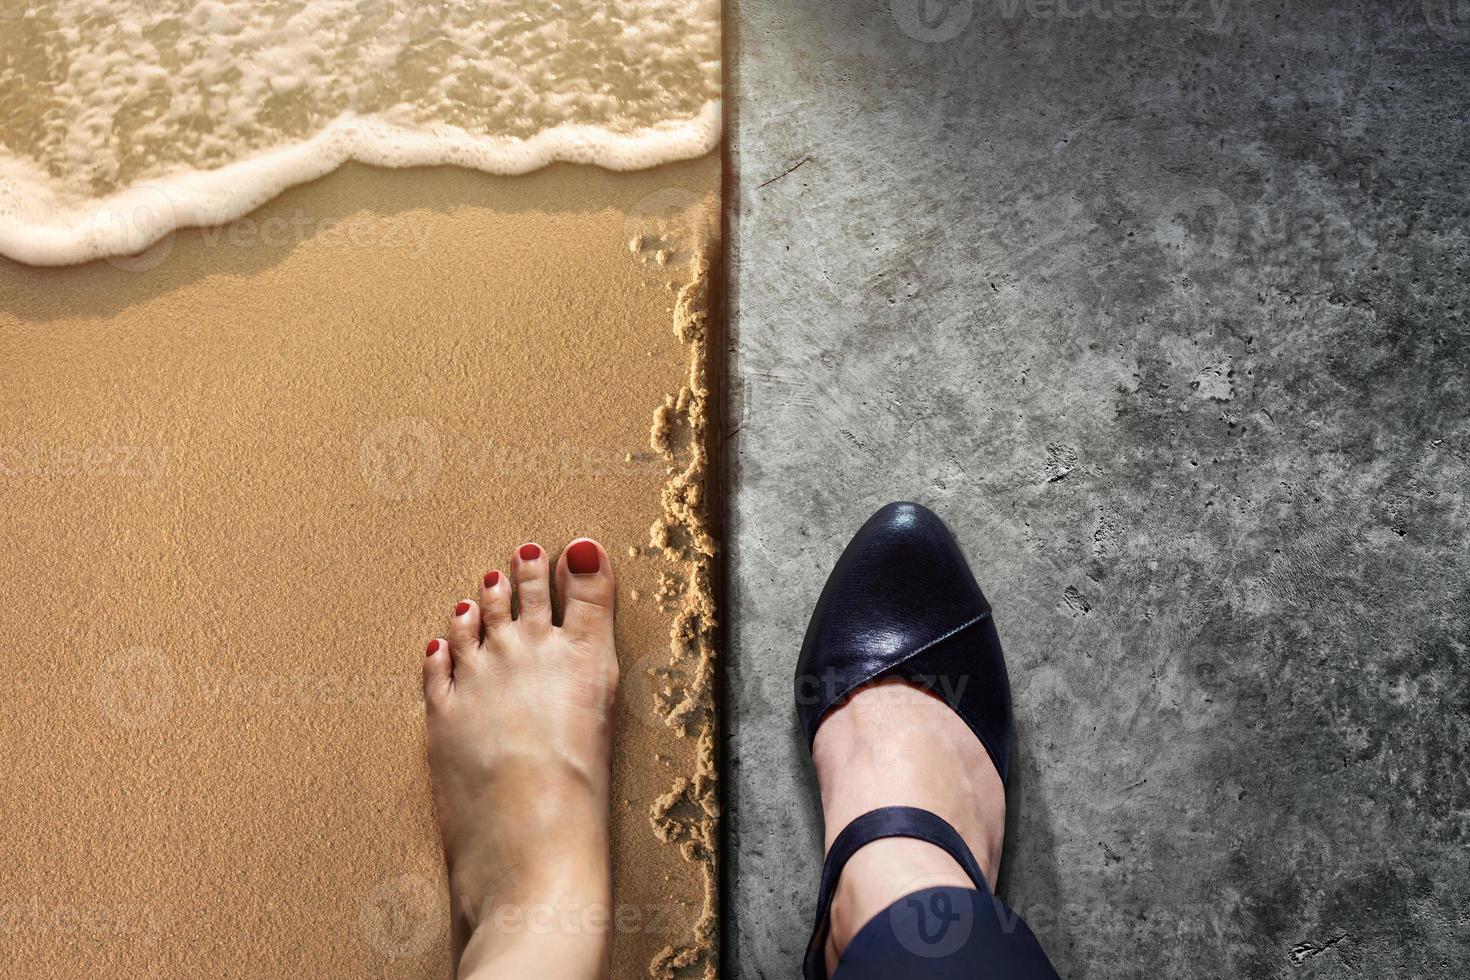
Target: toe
584,580
533,588
494,601
438,672
464,632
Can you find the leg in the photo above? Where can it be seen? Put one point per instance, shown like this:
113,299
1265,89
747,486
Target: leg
903,906
913,785
894,744
520,756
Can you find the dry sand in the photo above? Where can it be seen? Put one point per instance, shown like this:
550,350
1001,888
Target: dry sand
245,477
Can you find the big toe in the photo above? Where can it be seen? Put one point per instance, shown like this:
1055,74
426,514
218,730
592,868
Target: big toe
584,580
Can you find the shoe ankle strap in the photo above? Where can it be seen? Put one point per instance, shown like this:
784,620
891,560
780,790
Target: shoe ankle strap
885,822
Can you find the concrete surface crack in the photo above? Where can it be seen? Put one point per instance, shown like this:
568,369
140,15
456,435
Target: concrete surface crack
785,173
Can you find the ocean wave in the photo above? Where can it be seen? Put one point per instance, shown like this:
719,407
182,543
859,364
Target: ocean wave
119,126
39,230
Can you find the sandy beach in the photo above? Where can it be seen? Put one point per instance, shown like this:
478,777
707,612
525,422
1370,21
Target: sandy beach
245,477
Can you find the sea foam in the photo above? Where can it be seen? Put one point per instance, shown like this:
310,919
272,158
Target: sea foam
119,127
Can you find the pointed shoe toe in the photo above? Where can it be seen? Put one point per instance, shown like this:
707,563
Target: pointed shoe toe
902,601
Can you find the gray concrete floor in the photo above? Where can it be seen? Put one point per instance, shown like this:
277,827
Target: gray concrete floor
1166,315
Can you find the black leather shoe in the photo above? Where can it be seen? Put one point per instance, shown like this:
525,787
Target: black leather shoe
902,602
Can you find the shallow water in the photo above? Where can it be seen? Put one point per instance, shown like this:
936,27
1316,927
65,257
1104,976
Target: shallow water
119,123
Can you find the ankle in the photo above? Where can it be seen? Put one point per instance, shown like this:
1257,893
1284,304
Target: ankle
543,892
879,875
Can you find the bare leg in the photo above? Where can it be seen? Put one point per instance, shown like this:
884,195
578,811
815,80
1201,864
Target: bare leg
893,744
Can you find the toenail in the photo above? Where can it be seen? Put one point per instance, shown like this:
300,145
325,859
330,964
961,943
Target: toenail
492,579
530,552
462,608
432,648
583,559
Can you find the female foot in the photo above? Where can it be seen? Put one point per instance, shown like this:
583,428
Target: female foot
520,724
894,744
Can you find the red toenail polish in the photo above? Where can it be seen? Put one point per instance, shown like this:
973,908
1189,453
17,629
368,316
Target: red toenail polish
530,552
432,648
462,608
492,579
583,559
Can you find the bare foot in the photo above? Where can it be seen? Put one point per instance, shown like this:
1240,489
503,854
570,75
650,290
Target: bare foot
520,719
894,744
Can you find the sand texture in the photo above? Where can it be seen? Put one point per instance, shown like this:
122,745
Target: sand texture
245,476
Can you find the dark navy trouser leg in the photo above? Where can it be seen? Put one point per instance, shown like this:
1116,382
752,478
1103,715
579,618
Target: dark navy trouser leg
945,934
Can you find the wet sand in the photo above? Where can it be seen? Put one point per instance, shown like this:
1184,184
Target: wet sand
246,476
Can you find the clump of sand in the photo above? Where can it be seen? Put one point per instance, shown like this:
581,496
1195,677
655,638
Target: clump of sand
687,815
